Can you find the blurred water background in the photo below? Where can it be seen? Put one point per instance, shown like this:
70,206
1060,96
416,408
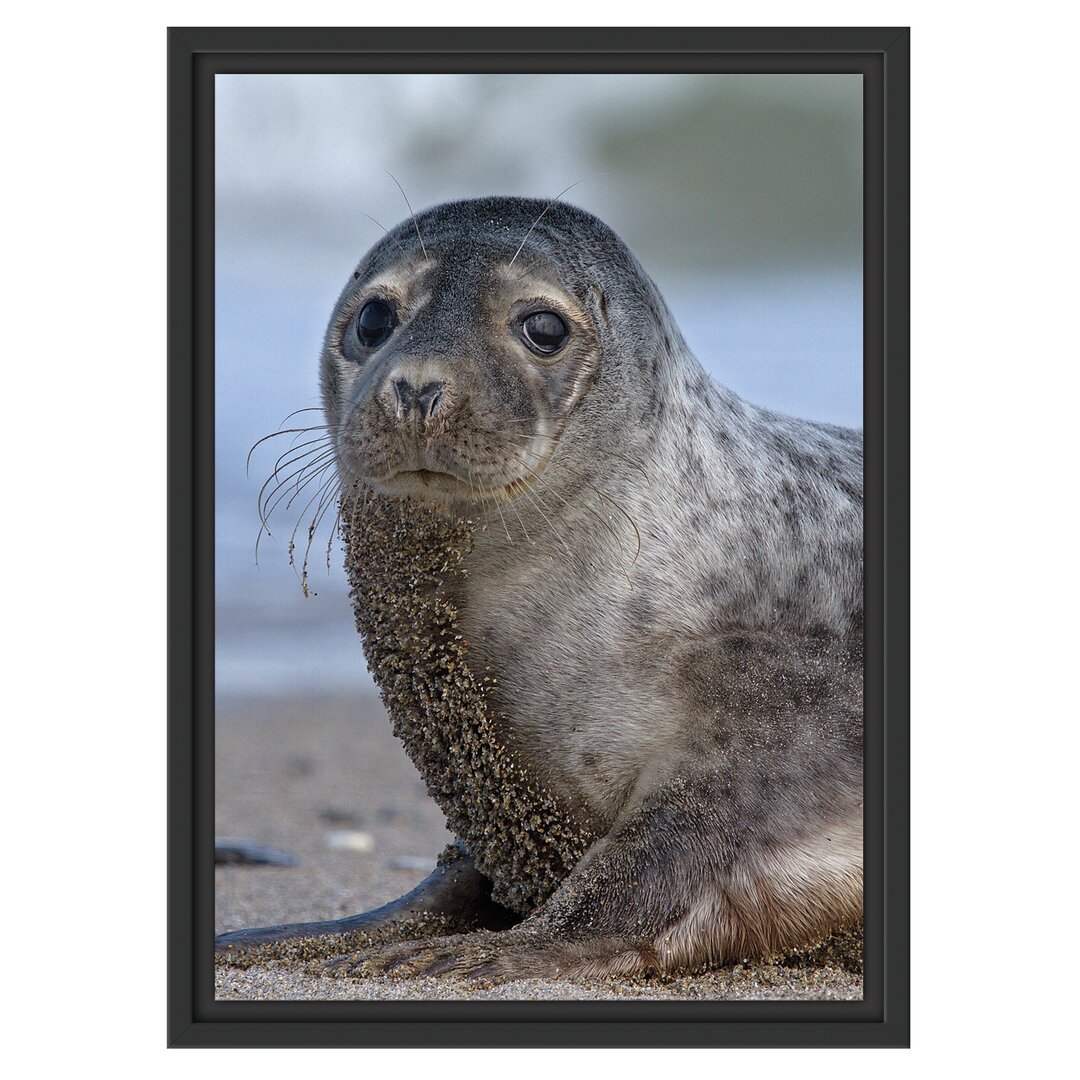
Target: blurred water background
741,194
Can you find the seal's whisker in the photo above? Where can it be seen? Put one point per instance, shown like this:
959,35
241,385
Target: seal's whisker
264,500
297,454
317,446
614,503
564,438
606,498
498,510
473,490
534,497
479,490
540,459
284,431
387,231
333,531
331,493
615,532
297,412
287,431
317,472
416,224
315,475
324,436
270,510
267,506
519,434
521,520
528,267
600,517
266,509
296,528
519,420
262,531
528,437
358,490
538,220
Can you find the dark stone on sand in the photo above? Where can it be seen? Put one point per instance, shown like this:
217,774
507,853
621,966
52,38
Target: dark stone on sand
245,853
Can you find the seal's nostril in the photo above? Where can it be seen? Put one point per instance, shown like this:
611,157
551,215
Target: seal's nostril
403,397
429,398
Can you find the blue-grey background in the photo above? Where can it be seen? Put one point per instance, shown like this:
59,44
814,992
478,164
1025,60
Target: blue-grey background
741,194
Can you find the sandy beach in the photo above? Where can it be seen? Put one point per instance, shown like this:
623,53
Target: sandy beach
324,779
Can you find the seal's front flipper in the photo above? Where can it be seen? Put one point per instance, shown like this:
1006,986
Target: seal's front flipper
454,897
690,877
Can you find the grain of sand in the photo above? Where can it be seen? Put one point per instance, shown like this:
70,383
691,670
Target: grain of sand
304,774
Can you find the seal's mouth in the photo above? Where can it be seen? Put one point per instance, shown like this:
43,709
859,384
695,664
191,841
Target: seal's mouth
435,485
426,476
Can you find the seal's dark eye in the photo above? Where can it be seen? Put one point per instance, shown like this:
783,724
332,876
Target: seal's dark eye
545,332
375,323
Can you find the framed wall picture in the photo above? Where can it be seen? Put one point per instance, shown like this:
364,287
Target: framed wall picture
538,568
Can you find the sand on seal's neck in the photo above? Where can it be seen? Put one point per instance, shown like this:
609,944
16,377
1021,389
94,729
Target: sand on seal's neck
403,560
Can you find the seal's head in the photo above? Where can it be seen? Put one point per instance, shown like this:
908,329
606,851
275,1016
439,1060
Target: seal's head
472,338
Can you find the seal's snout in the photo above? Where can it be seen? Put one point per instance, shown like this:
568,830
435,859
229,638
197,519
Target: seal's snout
423,403
415,402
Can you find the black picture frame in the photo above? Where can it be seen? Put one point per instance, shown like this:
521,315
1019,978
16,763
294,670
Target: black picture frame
881,55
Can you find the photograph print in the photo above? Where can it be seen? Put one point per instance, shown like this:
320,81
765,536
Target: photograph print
539,545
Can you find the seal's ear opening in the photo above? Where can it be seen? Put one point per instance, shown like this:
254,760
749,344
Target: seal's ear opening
599,304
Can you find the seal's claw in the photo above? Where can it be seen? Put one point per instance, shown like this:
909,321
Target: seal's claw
478,959
443,966
397,960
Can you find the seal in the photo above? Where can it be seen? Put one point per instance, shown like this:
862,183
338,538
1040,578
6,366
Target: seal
615,613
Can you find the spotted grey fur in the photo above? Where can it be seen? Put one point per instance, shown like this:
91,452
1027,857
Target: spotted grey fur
652,589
